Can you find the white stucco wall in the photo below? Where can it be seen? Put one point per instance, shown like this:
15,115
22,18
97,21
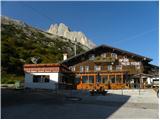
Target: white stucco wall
149,80
48,85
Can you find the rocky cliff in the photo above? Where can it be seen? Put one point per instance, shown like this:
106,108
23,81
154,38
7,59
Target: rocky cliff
63,30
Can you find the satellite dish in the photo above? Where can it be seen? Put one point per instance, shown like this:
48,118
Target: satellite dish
35,59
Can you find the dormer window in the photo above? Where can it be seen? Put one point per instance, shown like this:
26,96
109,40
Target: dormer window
92,57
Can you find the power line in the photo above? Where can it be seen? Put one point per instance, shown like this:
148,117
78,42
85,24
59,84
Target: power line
39,12
135,36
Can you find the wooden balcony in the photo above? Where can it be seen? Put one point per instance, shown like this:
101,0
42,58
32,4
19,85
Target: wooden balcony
101,71
106,60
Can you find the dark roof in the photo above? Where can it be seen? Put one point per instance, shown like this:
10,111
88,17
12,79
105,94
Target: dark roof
154,66
144,75
73,60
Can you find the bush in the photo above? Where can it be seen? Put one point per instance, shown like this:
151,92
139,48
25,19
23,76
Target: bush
10,78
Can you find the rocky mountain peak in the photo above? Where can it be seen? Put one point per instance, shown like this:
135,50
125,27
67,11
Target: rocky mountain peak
63,26
63,30
8,21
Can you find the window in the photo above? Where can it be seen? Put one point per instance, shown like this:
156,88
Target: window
114,55
81,68
40,78
98,78
138,67
77,80
91,79
103,55
92,57
118,79
118,67
36,79
73,68
45,78
103,67
97,68
109,67
112,78
85,79
104,79
86,68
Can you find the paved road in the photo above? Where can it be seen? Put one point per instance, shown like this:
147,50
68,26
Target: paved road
26,104
143,104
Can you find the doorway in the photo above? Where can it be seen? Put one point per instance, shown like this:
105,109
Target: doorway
136,83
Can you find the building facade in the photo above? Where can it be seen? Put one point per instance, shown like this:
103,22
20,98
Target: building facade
101,67
110,68
45,76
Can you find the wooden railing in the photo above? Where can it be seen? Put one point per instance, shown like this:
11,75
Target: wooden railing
107,59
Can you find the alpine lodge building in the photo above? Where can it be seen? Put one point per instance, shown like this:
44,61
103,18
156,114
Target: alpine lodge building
101,67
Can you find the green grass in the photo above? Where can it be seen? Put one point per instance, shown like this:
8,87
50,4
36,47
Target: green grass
10,78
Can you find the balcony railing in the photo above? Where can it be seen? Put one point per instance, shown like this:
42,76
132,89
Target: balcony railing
107,59
102,71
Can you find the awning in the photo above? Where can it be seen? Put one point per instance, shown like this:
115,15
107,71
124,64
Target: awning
143,75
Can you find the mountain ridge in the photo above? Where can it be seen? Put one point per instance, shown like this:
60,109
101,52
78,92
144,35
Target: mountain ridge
62,30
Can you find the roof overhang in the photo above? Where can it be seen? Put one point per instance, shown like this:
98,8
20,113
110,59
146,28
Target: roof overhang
31,68
143,75
103,48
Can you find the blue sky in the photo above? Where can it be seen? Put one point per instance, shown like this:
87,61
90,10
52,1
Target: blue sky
132,26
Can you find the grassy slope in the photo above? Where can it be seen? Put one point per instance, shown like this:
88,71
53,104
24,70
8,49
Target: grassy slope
18,46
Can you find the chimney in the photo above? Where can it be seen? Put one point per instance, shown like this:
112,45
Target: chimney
65,56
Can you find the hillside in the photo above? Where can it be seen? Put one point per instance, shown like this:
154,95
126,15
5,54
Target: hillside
21,44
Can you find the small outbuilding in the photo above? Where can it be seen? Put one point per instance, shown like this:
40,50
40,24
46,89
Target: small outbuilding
45,76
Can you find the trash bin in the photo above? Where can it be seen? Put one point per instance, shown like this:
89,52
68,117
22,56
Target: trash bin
17,84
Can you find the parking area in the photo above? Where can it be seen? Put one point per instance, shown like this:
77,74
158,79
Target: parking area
53,104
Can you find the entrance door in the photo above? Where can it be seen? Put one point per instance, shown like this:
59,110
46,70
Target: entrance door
136,83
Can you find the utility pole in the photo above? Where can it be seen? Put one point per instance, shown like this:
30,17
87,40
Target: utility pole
75,47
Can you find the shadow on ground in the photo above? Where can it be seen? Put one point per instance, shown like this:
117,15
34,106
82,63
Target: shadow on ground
20,104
